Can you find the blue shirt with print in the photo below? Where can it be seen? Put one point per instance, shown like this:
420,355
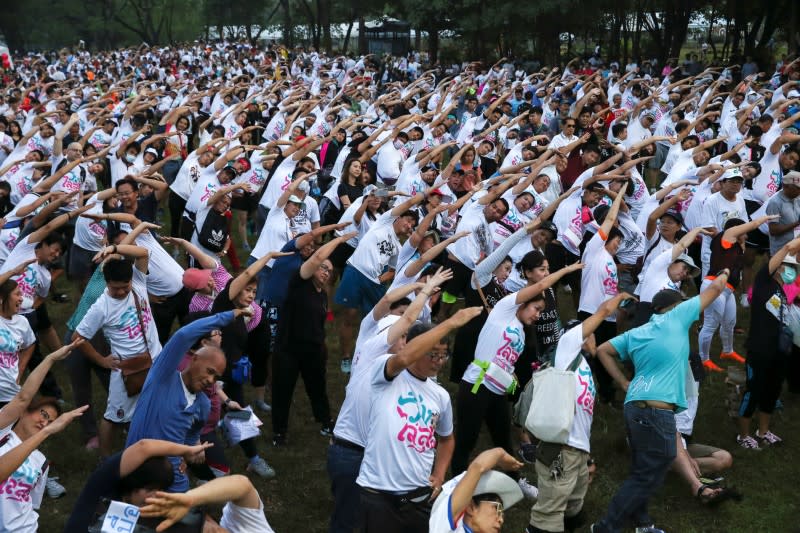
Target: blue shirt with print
659,351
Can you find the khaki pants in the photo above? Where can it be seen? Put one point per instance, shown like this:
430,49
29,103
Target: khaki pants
562,496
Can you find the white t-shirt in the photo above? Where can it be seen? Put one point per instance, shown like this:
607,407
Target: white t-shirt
22,492
352,424
599,276
164,274
716,212
442,519
15,336
569,221
405,416
90,234
501,341
479,242
377,249
656,277
120,321
189,174
277,231
390,163
768,181
243,520
35,281
205,189
569,346
280,181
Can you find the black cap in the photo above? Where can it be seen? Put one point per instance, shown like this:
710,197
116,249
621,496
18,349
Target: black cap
665,298
674,215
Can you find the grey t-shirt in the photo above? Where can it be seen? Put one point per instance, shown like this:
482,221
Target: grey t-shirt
789,212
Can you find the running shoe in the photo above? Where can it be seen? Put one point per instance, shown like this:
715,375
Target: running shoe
733,356
769,438
259,466
748,443
711,366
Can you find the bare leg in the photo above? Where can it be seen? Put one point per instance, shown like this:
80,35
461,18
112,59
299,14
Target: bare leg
719,461
346,331
763,422
106,436
744,426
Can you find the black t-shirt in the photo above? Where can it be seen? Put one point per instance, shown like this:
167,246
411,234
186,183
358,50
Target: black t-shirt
762,340
353,192
147,208
302,317
234,335
731,258
102,483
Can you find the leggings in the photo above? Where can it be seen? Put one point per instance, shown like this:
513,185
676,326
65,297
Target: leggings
721,313
471,411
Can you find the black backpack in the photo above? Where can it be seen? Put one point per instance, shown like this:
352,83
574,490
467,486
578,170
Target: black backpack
214,233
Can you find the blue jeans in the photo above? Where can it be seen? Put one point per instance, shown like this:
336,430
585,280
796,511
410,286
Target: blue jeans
651,435
343,466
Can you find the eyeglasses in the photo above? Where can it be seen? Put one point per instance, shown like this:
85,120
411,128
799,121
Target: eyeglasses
44,414
215,333
325,268
498,507
439,356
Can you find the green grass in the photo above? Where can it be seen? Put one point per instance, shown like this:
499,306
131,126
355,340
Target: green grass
299,498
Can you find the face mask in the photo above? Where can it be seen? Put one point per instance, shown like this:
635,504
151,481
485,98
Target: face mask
510,143
788,275
130,158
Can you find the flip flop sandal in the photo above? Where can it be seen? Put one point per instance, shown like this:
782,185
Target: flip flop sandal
719,495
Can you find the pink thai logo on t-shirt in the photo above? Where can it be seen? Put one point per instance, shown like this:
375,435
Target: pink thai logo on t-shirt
420,423
610,281
27,283
129,321
587,395
208,192
18,487
9,349
512,347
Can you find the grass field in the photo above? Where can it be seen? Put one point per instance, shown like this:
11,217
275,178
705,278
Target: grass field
299,498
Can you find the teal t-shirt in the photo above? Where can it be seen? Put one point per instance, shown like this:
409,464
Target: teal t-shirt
659,351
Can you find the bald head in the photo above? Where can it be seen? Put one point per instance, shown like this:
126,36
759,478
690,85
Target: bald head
206,365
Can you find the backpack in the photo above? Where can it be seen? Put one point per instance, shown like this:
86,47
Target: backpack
214,233
552,407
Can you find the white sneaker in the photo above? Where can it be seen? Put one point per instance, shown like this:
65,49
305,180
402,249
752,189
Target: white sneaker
260,467
531,492
54,489
743,301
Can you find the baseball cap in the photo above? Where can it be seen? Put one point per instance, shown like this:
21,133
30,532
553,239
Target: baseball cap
295,199
687,259
676,216
791,178
549,226
733,174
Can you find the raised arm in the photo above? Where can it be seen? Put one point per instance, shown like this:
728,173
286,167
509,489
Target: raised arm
311,264
419,346
526,293
202,258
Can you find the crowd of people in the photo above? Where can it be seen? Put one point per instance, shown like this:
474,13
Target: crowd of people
520,228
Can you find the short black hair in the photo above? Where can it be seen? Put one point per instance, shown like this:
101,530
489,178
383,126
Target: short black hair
118,270
155,473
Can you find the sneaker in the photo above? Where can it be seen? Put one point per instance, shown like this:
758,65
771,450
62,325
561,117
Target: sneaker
769,438
327,429
54,489
649,529
733,356
748,443
259,466
529,491
92,444
743,301
711,366
262,406
279,440
345,365
527,452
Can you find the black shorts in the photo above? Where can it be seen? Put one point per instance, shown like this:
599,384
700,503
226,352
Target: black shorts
559,257
81,265
462,275
756,240
246,203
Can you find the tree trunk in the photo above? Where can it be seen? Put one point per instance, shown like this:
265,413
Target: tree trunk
347,34
362,36
433,45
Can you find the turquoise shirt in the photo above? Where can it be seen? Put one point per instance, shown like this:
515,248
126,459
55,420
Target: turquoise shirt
659,351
